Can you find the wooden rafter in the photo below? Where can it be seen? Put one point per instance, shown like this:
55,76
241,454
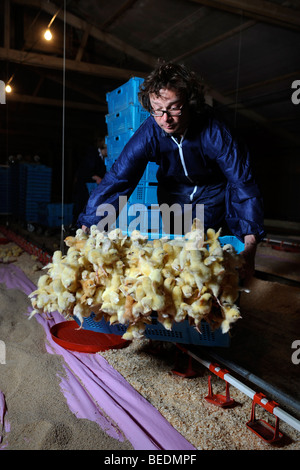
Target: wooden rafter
51,62
265,82
215,40
73,86
83,43
253,116
95,32
123,8
30,99
259,10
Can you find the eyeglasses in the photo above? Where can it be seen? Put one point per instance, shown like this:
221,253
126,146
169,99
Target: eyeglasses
171,112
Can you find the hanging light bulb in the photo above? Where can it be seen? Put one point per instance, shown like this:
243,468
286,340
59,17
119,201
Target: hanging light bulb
48,35
8,88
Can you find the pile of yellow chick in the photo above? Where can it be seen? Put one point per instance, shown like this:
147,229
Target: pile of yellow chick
123,279
9,253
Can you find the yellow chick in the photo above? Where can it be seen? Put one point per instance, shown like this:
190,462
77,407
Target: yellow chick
232,314
134,331
69,279
65,302
201,307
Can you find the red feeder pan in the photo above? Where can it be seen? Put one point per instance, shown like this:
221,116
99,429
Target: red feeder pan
70,336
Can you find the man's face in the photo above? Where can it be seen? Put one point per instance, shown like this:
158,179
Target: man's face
170,100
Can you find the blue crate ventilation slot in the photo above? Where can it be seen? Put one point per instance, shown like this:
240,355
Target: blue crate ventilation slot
181,332
144,193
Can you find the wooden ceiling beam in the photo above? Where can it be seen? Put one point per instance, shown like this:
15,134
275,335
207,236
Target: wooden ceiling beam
254,116
95,32
215,40
122,9
29,99
259,10
263,83
83,43
51,62
73,86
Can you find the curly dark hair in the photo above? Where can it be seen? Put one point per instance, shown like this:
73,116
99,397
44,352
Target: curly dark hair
170,75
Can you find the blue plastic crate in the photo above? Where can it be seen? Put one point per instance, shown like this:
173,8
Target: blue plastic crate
181,332
145,193
51,215
91,187
149,175
124,95
128,118
34,188
231,240
116,143
33,172
151,194
138,195
109,163
146,219
6,190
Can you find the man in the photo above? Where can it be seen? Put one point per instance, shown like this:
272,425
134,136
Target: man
199,160
91,169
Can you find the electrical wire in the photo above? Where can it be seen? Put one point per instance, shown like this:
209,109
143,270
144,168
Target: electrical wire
63,133
238,72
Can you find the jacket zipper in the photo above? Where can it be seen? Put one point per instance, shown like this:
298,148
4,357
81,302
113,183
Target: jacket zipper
179,145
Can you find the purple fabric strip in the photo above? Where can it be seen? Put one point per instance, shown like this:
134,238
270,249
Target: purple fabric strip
96,391
2,415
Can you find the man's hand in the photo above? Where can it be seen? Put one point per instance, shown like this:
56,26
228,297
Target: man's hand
85,229
97,179
247,271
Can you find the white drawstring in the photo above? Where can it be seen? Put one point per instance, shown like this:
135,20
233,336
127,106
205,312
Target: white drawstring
192,194
179,145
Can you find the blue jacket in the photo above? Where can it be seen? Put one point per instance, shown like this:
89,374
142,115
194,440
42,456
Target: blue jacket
207,166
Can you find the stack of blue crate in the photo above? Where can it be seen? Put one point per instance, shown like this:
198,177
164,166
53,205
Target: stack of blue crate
125,115
5,190
15,185
55,214
34,188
